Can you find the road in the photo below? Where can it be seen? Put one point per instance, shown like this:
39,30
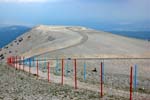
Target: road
83,40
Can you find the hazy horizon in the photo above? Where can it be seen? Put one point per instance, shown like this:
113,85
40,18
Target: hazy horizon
123,17
132,14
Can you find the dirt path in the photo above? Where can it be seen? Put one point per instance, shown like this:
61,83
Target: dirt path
83,40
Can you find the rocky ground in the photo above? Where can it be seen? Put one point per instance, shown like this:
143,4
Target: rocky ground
116,78
19,85
116,73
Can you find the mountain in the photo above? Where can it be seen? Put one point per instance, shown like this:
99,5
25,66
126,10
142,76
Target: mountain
74,41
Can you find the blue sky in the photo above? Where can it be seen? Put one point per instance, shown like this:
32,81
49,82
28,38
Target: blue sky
74,12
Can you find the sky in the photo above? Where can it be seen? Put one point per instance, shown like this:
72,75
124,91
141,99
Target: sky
90,13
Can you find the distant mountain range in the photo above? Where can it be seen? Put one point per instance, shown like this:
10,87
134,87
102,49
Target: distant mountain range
9,32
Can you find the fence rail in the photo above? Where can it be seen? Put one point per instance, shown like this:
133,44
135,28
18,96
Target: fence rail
90,58
125,76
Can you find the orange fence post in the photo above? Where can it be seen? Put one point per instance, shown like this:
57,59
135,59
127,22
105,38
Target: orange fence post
14,62
131,76
11,60
62,73
75,73
48,72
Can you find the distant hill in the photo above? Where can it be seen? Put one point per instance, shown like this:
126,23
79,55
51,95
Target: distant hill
9,33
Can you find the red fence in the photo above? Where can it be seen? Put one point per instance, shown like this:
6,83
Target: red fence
107,72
